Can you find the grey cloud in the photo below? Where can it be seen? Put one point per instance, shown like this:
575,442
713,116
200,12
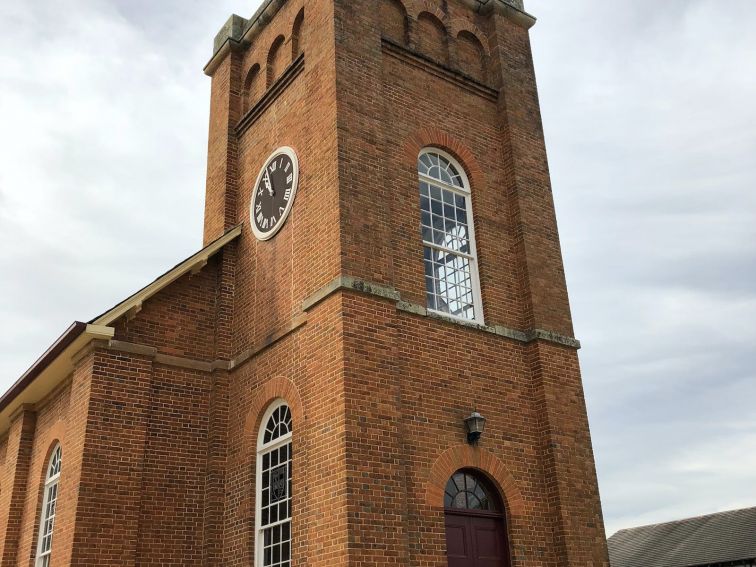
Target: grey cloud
649,120
647,108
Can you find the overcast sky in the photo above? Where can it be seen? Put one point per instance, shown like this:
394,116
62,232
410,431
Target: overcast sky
650,117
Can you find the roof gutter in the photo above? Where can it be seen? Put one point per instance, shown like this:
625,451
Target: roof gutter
50,369
57,362
63,342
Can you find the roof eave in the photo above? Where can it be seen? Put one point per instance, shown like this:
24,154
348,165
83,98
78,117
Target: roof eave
57,362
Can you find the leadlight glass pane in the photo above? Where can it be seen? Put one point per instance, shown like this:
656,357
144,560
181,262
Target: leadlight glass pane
47,522
468,491
275,501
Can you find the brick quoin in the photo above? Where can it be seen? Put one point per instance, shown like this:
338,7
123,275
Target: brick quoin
158,403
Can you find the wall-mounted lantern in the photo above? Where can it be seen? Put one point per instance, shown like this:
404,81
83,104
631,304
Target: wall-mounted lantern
475,424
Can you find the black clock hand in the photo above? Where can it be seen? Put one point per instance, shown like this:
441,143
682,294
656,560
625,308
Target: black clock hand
268,184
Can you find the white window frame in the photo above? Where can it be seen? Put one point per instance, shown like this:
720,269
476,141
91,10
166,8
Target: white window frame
263,448
43,557
466,193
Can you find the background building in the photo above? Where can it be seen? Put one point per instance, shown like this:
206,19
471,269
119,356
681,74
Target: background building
725,539
381,261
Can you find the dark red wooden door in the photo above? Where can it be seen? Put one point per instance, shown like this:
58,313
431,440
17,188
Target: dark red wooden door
476,540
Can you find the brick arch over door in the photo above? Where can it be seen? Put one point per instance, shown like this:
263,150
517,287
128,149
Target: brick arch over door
435,137
466,457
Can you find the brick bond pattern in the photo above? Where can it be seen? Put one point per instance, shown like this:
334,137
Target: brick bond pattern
159,428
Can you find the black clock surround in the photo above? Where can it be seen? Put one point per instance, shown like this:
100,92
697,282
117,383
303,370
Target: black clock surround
274,193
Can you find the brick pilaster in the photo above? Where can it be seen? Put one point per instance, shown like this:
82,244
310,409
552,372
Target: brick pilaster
222,175
18,457
110,484
543,287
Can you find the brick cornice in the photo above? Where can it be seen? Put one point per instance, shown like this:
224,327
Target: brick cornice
21,410
442,71
288,76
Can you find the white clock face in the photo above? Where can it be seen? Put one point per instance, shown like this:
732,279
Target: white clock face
273,193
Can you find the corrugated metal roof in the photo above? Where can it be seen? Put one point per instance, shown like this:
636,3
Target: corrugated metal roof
705,540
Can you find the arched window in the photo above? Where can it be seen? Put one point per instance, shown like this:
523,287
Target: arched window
273,501
47,519
476,528
451,271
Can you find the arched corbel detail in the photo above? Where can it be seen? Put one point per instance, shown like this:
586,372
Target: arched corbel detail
298,33
275,65
417,7
459,25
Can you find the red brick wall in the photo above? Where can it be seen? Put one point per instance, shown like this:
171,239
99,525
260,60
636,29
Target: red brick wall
50,429
275,276
15,474
175,454
306,369
393,18
410,380
182,320
159,452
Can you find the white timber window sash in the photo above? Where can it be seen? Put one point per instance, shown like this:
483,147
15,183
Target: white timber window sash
451,263
49,504
273,490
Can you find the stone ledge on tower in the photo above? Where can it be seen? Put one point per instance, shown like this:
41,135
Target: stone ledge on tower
232,30
238,31
514,10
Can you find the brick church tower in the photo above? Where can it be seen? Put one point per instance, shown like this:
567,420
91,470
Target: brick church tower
381,269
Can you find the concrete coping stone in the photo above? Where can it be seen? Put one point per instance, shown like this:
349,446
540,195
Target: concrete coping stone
349,283
238,30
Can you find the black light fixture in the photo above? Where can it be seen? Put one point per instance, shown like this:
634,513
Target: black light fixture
475,424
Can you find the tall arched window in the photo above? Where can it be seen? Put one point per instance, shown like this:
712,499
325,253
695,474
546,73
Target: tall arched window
273,501
451,271
47,519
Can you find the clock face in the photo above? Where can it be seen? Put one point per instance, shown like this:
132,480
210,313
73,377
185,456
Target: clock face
274,193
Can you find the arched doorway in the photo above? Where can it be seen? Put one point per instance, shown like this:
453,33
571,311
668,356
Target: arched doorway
476,530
